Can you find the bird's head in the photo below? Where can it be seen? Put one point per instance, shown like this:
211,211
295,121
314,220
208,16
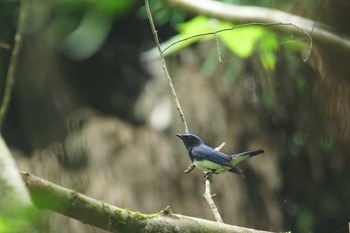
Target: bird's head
190,140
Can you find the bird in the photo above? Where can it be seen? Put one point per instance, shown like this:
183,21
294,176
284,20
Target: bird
212,161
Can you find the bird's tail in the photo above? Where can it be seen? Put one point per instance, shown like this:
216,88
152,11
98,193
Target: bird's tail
236,158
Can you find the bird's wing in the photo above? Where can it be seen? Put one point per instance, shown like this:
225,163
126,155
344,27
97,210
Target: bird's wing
204,152
237,170
236,158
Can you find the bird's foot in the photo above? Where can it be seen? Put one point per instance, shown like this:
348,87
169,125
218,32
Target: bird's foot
211,195
208,176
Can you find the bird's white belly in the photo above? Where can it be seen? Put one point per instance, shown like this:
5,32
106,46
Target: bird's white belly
208,166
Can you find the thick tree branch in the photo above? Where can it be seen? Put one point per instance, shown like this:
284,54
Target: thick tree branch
250,14
46,195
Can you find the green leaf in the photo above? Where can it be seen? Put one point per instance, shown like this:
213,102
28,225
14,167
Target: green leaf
296,44
88,37
106,7
114,7
191,28
20,224
269,99
197,25
210,63
154,53
190,31
268,47
241,41
234,69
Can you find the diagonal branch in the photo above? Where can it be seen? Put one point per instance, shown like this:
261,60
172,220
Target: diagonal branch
10,79
46,195
170,82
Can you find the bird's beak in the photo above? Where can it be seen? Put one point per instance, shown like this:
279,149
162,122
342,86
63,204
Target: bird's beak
179,135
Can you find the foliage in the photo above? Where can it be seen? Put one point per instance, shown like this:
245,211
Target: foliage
241,41
162,14
22,223
92,29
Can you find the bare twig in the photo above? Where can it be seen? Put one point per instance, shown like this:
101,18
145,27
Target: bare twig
190,168
221,146
218,47
215,34
170,82
209,198
207,194
249,14
10,79
46,195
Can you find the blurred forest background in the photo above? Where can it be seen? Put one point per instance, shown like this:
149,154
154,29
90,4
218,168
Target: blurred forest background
91,111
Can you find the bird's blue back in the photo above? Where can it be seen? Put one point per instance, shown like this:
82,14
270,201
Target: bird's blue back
204,152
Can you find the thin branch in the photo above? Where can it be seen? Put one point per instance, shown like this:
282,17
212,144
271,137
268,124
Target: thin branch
251,14
46,195
215,33
207,193
219,148
209,197
170,82
218,47
190,168
10,79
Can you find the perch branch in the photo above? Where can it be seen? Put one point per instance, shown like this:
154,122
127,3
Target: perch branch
207,194
170,82
209,198
46,195
10,79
